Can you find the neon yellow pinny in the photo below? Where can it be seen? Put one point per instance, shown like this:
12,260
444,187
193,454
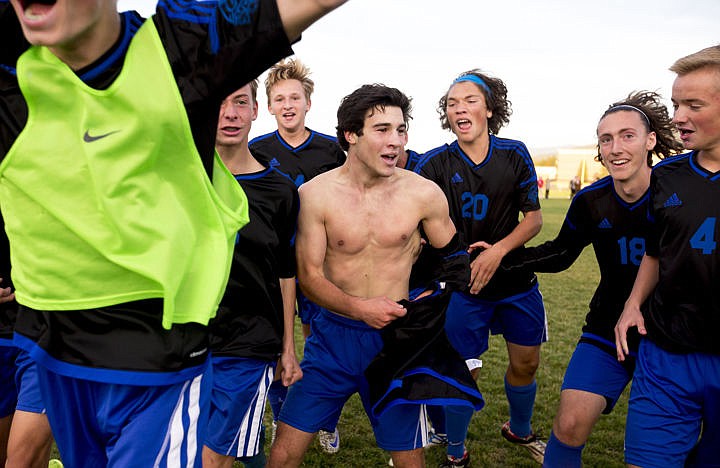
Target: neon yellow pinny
104,195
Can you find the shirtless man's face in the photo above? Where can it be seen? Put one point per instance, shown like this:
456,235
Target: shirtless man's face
382,141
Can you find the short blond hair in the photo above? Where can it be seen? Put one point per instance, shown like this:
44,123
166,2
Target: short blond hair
708,57
290,69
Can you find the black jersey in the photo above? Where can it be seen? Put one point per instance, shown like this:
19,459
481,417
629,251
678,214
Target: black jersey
318,154
213,48
250,319
618,232
486,199
412,160
683,313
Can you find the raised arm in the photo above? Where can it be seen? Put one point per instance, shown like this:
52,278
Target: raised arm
311,249
298,15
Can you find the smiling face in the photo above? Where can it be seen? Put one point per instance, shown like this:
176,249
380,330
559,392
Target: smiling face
624,144
289,104
696,100
467,112
237,113
382,141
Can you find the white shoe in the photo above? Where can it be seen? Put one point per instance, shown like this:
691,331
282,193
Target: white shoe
329,441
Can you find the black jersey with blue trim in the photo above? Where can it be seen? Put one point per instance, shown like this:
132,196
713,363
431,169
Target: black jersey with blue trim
683,313
412,160
618,232
214,48
486,199
318,154
249,322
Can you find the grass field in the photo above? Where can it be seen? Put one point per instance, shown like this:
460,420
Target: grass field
566,297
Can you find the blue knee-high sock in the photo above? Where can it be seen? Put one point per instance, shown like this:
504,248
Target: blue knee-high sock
560,455
521,400
437,418
457,420
276,396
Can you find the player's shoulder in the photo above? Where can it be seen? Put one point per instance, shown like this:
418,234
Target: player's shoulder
434,155
597,189
672,163
507,147
262,140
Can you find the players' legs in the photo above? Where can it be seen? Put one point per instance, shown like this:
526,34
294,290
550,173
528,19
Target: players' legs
289,447
522,321
30,436
4,435
467,325
408,458
30,440
520,386
594,380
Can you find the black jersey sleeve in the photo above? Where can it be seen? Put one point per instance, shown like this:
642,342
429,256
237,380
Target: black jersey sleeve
527,189
214,48
449,265
557,254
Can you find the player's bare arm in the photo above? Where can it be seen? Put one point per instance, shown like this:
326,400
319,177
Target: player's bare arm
645,282
289,368
298,15
486,263
436,221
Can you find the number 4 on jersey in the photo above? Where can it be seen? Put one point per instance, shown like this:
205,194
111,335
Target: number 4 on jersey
704,237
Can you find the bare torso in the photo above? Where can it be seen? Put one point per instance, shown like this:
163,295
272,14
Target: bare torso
372,234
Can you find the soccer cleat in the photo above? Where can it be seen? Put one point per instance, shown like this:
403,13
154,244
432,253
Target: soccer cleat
452,462
531,442
436,439
329,441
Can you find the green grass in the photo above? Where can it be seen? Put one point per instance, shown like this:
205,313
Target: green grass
566,297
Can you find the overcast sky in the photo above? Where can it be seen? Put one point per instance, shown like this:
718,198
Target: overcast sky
563,61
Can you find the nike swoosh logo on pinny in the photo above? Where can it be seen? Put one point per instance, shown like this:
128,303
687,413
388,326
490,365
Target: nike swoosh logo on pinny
87,138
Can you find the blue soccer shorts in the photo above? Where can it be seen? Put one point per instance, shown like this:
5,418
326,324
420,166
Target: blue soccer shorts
597,370
237,404
307,310
671,395
520,319
101,424
336,355
26,381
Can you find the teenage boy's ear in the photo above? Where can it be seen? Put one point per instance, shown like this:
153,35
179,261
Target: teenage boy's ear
351,137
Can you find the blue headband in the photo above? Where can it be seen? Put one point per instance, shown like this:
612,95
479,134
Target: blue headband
475,79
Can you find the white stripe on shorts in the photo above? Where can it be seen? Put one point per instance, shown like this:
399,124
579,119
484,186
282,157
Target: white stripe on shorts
248,435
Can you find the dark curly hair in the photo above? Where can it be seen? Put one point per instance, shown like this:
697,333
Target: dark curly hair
496,101
656,119
354,106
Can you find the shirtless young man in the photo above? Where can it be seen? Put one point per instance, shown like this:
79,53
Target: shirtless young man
356,243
